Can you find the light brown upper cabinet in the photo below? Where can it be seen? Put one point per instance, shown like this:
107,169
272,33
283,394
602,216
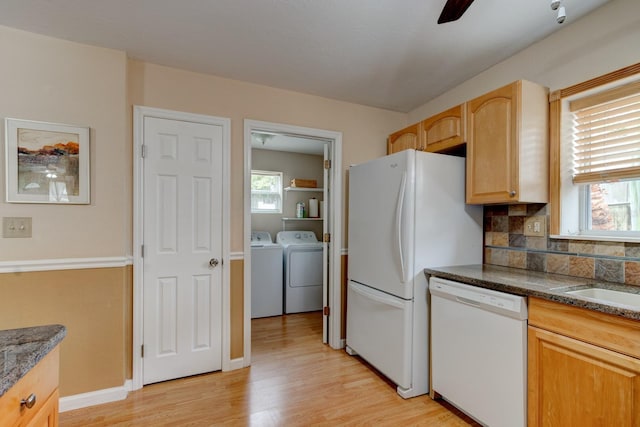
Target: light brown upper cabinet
404,139
507,145
444,131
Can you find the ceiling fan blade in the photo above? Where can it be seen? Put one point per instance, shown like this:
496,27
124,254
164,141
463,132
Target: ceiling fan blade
453,10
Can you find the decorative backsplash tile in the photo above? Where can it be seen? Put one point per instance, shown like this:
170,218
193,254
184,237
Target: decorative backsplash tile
505,244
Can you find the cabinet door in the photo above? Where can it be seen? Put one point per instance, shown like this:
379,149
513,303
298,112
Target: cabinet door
404,139
492,157
444,130
572,383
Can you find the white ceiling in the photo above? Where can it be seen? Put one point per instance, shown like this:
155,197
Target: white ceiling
383,53
289,143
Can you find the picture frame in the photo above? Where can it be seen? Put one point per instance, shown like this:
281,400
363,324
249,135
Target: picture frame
46,162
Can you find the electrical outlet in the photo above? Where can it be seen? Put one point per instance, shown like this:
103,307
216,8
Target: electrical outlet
535,226
13,227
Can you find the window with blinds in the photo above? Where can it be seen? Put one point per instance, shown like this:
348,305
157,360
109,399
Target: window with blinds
607,135
606,159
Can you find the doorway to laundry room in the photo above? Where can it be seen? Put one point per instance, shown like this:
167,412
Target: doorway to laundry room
292,217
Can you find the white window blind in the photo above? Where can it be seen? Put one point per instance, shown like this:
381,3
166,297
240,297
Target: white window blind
607,135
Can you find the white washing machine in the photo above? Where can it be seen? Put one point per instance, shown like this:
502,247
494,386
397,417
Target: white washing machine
302,271
266,275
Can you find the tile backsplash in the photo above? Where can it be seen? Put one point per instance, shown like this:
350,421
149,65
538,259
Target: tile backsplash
505,244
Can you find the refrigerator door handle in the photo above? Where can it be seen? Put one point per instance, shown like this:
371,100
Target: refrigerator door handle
399,225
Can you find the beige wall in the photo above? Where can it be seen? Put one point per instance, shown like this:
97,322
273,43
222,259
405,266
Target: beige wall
603,41
292,165
51,80
237,303
364,129
94,306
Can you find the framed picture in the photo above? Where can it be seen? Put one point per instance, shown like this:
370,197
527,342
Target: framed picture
46,162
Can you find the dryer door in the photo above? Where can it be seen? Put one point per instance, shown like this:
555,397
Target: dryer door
303,290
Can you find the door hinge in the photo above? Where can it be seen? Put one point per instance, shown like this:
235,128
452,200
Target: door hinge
142,350
143,152
326,237
326,310
142,251
327,164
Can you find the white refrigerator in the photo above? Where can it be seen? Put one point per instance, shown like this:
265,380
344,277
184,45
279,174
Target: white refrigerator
406,213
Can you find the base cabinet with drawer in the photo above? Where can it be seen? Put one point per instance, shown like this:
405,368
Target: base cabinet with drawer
37,389
583,367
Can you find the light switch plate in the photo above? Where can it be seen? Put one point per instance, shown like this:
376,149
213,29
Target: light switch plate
16,227
535,226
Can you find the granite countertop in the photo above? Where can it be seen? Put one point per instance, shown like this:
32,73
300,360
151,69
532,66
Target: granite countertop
21,349
548,286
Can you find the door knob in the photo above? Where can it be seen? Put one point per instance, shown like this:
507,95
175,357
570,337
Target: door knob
213,262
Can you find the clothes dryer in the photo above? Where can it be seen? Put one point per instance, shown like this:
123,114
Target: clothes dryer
266,276
302,271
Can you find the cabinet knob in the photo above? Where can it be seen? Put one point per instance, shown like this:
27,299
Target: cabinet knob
512,193
29,401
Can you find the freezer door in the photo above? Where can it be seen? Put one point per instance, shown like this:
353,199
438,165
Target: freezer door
379,330
381,218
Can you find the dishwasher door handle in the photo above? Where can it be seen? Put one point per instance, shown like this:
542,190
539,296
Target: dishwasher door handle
467,301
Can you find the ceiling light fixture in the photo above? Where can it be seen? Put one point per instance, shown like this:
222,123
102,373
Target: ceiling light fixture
562,15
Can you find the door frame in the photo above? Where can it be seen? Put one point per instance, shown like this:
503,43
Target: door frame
334,214
139,114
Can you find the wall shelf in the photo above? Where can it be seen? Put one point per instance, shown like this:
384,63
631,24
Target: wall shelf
318,190
302,219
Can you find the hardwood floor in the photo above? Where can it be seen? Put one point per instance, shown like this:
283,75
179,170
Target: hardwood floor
294,380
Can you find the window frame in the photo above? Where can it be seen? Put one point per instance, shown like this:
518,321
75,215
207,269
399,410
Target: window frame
566,220
281,191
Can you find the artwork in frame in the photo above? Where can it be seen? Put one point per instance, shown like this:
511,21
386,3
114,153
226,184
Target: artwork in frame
46,162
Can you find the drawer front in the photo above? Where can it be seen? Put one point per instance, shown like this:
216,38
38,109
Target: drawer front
41,381
601,329
379,329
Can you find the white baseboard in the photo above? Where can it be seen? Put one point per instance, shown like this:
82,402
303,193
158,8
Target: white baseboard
98,397
235,364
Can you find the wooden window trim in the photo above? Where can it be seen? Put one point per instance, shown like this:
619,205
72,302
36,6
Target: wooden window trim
555,117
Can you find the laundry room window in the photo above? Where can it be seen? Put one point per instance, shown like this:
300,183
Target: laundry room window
266,192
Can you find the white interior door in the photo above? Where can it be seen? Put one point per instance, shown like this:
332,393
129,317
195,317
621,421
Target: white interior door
183,248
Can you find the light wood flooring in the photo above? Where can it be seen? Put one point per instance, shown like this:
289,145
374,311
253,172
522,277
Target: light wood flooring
294,380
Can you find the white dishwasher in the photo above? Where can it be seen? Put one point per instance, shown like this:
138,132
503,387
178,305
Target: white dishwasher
479,351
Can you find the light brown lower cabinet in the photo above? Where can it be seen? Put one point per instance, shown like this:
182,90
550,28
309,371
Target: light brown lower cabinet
39,384
573,381
47,416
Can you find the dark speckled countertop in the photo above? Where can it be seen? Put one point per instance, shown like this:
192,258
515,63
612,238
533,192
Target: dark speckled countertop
548,286
21,349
